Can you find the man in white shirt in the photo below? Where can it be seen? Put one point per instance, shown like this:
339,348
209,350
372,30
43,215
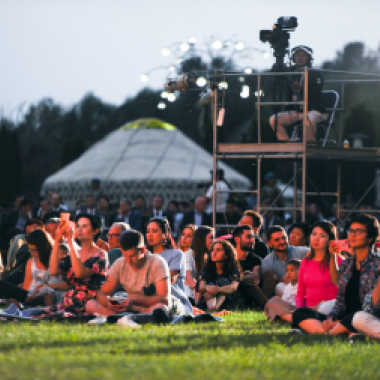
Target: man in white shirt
144,276
221,198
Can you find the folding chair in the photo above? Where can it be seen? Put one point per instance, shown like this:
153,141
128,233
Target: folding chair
330,99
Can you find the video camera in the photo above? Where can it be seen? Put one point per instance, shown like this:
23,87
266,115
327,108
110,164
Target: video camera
181,82
279,36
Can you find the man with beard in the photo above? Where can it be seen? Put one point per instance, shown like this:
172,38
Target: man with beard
274,265
250,263
255,220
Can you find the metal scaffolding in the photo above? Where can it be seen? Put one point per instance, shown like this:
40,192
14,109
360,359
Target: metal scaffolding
297,152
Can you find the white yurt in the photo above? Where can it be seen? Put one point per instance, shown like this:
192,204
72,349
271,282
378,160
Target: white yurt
147,157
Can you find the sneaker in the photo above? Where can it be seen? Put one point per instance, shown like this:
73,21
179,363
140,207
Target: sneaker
296,331
13,310
99,320
127,322
356,337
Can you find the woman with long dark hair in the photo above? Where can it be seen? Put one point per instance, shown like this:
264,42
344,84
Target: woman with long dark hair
315,285
161,242
83,269
202,241
316,289
219,279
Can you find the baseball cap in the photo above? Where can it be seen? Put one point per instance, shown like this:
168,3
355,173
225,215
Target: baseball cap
131,239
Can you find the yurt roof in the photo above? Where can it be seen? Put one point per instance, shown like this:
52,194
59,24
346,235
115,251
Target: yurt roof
146,151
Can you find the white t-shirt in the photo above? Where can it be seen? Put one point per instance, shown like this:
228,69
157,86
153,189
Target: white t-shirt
143,281
221,198
190,266
290,292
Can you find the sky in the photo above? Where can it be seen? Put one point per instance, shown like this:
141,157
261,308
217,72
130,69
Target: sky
64,49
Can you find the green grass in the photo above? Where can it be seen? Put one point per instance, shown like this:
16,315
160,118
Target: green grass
242,347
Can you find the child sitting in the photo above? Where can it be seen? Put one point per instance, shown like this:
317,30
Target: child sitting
282,308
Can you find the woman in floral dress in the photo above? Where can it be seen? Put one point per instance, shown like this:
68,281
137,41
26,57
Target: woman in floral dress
83,268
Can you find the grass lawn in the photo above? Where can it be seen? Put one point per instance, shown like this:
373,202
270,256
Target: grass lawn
245,346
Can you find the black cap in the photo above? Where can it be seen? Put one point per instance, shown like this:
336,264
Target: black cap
131,239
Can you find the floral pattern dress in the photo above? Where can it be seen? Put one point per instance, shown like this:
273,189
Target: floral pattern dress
81,289
233,300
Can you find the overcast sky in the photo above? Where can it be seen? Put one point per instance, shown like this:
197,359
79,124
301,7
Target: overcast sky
66,48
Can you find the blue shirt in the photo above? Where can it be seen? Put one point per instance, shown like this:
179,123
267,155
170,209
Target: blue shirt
278,265
176,261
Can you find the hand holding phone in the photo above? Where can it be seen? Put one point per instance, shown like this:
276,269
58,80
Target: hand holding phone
64,220
340,246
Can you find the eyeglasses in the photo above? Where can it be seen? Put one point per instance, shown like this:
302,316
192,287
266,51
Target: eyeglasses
352,232
113,235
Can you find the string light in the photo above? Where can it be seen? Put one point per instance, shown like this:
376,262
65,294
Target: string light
201,82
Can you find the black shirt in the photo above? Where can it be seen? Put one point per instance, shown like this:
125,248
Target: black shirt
261,249
352,298
250,262
315,91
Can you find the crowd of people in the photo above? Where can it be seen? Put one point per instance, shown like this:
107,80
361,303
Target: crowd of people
131,264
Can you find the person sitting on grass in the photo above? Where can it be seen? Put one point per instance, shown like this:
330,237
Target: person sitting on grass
83,269
281,308
144,276
39,286
184,244
160,242
18,254
273,266
201,245
357,277
219,279
317,287
250,264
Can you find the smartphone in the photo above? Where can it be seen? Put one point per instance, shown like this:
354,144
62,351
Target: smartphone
343,245
65,218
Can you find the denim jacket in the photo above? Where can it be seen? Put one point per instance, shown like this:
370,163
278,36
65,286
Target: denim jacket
369,273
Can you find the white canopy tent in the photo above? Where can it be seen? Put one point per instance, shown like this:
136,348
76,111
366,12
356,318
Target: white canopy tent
147,157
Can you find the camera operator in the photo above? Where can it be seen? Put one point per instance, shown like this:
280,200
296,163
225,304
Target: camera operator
302,56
